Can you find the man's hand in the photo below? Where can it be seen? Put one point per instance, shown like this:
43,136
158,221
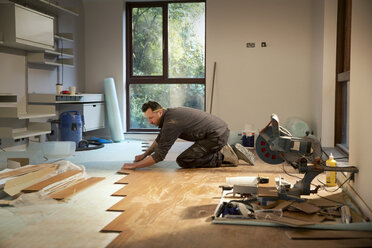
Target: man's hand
140,164
128,166
139,157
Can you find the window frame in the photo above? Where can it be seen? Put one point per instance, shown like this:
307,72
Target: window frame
163,79
342,73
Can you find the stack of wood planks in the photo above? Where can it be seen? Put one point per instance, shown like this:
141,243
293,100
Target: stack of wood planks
44,178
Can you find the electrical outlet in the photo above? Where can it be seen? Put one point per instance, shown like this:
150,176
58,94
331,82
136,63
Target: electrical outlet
263,44
251,45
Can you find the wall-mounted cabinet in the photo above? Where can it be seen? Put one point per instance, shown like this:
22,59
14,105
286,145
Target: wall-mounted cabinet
25,28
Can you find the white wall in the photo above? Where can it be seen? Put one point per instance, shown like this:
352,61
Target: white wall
13,73
324,69
252,83
103,27
361,96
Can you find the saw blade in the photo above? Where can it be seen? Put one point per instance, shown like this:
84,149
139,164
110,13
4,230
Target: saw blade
263,148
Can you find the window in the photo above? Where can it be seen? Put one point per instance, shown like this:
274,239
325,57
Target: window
165,57
343,75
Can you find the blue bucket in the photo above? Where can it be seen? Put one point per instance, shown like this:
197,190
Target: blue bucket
70,126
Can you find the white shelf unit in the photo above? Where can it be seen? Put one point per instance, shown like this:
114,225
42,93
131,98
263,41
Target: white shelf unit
48,6
47,58
66,54
33,111
32,129
64,36
55,5
61,53
52,98
10,109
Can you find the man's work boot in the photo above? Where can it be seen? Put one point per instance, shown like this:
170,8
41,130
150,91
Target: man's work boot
244,154
229,156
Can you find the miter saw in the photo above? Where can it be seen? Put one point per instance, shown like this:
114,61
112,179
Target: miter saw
275,144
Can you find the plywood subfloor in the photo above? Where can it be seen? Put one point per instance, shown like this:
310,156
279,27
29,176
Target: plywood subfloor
172,207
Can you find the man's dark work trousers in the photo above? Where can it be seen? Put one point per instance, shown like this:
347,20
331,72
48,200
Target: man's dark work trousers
204,153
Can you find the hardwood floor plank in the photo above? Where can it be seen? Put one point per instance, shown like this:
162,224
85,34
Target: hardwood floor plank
120,205
25,170
40,185
70,191
16,185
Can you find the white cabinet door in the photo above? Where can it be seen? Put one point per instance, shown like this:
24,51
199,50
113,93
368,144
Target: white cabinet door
25,28
94,115
34,27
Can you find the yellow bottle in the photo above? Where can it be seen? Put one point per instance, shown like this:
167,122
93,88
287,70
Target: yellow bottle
331,175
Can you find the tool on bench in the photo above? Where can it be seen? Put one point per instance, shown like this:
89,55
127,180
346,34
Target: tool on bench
243,185
275,144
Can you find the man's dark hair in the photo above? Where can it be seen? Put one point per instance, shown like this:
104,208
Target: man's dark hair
152,105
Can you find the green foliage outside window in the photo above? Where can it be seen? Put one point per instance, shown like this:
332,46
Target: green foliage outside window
186,40
147,41
186,56
168,95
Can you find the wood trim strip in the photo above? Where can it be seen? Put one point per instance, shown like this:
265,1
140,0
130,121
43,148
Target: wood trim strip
305,207
326,234
70,191
39,186
16,185
25,170
5,202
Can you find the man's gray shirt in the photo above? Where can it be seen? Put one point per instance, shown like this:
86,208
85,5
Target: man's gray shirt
188,124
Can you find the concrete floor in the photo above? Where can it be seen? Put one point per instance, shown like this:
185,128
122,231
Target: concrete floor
75,223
